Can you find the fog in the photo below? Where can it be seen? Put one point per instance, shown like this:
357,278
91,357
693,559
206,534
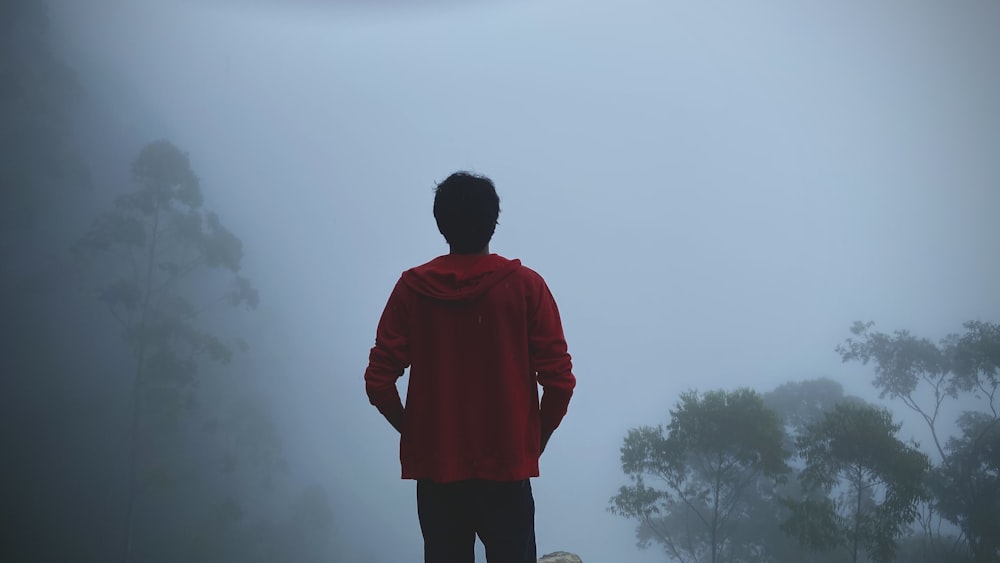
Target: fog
714,193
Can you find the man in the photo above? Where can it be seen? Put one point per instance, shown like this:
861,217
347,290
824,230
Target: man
479,333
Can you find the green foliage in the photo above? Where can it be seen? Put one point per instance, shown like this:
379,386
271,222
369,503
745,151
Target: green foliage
967,484
800,403
870,480
918,548
904,363
902,360
976,361
159,248
923,376
708,460
814,521
700,489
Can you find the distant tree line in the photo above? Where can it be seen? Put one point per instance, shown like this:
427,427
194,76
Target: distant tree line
806,473
126,433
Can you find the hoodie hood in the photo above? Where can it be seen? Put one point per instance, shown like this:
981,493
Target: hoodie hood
459,277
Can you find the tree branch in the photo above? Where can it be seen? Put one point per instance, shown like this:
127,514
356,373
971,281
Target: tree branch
683,497
114,314
184,272
665,539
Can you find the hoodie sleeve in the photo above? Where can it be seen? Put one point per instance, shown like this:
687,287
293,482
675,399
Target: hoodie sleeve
390,356
550,359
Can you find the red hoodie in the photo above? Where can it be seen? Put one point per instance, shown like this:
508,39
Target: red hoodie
479,333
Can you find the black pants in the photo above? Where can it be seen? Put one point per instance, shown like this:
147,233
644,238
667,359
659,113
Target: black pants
501,513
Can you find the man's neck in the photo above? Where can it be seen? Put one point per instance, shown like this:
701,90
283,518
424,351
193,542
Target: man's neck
485,250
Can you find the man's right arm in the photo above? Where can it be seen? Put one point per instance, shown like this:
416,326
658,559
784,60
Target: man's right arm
389,358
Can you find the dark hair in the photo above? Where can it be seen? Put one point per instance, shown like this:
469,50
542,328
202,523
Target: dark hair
466,208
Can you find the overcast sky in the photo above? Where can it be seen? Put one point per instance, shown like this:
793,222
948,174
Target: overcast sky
714,192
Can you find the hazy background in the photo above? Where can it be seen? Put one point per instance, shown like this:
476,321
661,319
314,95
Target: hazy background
714,192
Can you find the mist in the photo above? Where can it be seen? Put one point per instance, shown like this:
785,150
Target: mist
714,193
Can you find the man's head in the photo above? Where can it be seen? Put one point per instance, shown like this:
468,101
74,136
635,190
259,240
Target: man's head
466,207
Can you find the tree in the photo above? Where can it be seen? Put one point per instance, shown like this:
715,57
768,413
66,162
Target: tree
905,364
967,484
869,480
709,461
159,251
924,376
800,404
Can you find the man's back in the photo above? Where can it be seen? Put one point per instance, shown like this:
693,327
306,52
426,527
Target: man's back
479,332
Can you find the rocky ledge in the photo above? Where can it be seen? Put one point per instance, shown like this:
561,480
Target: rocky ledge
560,557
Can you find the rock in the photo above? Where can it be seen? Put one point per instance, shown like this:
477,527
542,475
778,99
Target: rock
560,557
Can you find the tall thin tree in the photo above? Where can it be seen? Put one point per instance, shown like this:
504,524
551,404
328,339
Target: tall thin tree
161,260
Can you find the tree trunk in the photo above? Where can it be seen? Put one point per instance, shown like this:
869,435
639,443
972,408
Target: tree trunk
715,512
133,457
857,513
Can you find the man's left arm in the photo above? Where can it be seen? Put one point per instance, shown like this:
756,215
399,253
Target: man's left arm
551,362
